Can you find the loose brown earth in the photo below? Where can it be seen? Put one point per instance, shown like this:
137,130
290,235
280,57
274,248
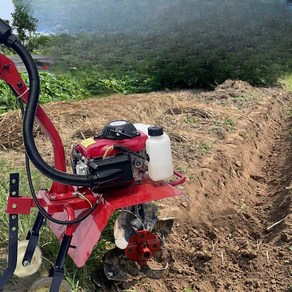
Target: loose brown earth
234,146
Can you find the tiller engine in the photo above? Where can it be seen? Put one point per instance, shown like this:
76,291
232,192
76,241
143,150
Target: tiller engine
122,169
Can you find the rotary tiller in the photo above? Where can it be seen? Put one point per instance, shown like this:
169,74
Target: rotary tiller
111,171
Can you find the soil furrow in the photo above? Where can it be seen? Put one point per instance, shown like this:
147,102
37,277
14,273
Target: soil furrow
234,146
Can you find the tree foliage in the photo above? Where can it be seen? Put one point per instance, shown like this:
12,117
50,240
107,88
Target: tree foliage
23,22
135,45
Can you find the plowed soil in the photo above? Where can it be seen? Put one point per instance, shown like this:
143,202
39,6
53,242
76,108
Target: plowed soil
233,228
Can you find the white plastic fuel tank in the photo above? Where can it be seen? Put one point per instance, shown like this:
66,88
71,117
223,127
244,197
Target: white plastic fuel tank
158,148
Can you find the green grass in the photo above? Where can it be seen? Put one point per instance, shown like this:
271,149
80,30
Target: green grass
205,147
194,54
54,87
230,123
287,80
69,86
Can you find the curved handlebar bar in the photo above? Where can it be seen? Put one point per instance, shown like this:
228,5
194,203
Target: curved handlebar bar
10,40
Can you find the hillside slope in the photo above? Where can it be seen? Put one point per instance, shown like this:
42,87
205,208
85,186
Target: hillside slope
234,145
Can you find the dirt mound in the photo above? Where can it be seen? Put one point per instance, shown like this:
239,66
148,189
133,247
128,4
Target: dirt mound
11,131
233,85
234,144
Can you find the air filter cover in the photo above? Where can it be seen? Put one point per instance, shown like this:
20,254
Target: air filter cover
119,130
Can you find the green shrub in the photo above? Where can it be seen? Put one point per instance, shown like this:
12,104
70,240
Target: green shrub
53,88
130,83
143,62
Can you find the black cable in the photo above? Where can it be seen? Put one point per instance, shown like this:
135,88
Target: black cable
35,199
124,149
44,212
32,153
31,107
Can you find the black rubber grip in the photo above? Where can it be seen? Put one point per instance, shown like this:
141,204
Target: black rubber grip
5,31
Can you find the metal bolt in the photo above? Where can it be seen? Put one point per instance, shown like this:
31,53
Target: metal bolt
26,263
13,228
14,206
13,181
19,84
110,274
13,216
13,193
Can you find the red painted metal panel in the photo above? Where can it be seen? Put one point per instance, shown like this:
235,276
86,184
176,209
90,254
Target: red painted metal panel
19,205
11,76
87,233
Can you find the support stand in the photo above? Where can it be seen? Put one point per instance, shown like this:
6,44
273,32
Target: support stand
57,271
13,233
33,237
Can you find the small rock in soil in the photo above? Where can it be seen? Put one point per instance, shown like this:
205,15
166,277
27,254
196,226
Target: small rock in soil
284,237
258,178
205,256
246,215
250,254
248,281
256,235
237,163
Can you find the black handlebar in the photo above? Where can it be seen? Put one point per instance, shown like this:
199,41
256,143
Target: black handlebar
7,38
5,31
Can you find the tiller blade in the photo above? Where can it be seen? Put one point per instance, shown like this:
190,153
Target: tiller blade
139,235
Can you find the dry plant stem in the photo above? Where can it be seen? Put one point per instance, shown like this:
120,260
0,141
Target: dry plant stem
268,229
222,257
267,256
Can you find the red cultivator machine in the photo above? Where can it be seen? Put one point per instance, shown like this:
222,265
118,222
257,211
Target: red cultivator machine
123,168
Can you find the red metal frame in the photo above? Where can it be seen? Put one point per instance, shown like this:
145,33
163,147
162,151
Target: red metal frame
11,76
67,202
89,230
